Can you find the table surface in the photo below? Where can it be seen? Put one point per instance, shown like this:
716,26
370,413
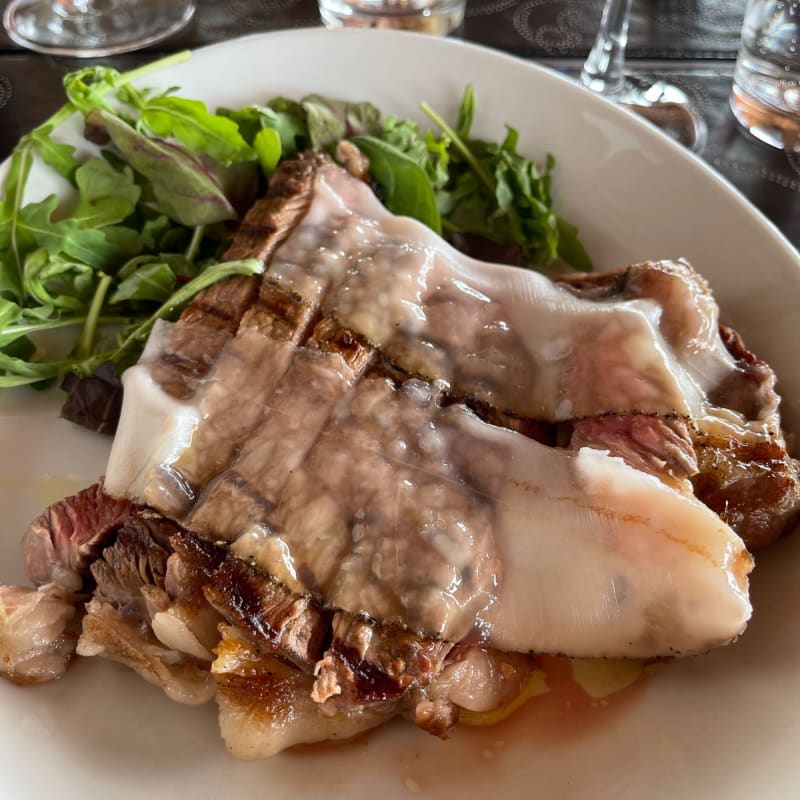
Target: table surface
689,42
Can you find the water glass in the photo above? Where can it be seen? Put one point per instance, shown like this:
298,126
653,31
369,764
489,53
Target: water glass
766,87
430,16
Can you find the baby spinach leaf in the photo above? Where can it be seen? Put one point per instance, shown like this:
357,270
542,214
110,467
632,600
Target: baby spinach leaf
267,144
405,187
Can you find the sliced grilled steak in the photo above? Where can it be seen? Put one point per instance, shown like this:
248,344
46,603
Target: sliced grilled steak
63,541
366,663
659,445
299,407
744,472
214,316
133,620
281,623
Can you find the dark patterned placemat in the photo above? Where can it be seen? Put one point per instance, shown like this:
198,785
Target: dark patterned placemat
530,28
683,29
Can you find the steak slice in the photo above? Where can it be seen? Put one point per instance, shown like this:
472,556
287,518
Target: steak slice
283,624
64,540
199,336
299,407
366,663
265,706
131,618
743,470
659,445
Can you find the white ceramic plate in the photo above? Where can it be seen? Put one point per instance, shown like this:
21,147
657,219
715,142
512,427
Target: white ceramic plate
724,725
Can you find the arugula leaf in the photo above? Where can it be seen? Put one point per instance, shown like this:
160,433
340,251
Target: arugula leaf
56,282
500,195
10,312
14,190
405,187
106,196
36,229
56,154
153,281
85,88
466,113
185,190
199,131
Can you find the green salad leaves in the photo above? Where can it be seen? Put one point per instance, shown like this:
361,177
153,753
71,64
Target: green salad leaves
150,212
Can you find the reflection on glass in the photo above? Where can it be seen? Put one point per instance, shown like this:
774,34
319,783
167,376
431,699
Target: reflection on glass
661,103
87,28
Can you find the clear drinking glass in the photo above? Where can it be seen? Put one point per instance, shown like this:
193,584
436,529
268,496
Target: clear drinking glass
766,86
661,103
88,28
430,16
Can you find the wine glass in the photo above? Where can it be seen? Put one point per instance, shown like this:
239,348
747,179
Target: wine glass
663,104
87,28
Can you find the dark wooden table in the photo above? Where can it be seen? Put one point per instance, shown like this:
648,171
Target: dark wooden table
690,42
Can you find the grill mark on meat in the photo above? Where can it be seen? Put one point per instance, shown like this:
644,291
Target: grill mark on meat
290,626
544,432
360,662
272,218
366,662
371,503
236,400
299,407
199,336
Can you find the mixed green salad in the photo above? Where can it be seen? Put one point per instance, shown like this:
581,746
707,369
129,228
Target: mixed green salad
153,210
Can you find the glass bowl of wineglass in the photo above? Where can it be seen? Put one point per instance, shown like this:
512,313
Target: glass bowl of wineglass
88,28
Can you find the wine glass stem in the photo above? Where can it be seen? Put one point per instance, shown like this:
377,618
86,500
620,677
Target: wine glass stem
604,69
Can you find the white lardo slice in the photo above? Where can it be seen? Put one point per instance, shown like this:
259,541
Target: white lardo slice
599,559
153,429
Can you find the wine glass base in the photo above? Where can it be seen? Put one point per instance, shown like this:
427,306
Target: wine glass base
91,28
667,107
